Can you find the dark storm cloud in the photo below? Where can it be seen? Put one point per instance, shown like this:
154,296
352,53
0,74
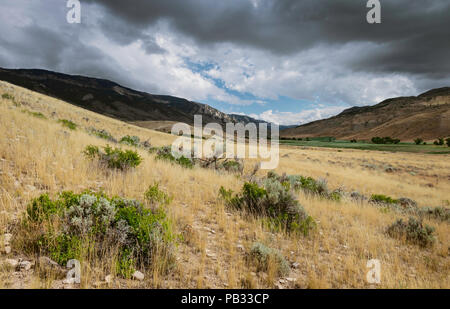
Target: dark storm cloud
413,38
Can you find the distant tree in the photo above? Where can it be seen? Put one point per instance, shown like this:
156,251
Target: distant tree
308,139
439,142
418,141
448,141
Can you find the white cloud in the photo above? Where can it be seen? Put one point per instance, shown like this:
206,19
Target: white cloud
289,118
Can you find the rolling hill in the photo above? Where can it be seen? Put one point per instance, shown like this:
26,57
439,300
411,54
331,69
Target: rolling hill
426,116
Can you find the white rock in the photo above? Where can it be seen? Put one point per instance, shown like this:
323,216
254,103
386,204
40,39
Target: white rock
31,188
138,276
108,279
12,262
291,279
7,249
295,265
25,265
7,237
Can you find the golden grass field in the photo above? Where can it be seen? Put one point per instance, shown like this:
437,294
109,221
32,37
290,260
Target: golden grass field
39,156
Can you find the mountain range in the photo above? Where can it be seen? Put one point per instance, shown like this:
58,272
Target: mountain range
116,101
426,116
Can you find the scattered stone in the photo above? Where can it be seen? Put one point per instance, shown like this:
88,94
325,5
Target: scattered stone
108,279
291,279
12,262
138,276
25,265
47,265
211,255
43,260
295,265
240,247
31,188
7,238
7,249
210,230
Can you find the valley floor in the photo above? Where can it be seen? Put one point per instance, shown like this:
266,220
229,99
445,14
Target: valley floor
38,155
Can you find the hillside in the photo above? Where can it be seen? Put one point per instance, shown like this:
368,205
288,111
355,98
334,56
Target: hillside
426,116
113,100
38,155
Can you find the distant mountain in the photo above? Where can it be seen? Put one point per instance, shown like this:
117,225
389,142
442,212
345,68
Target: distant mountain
113,100
426,116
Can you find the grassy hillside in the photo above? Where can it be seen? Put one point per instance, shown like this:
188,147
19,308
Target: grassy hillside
39,155
426,116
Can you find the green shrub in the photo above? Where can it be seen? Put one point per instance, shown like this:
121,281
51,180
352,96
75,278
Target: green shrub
447,141
130,140
439,213
439,142
165,153
35,114
114,158
157,197
385,140
232,166
380,198
418,141
261,255
7,96
68,124
413,232
307,184
272,201
74,226
102,134
91,151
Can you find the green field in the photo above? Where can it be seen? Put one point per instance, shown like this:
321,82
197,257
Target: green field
401,147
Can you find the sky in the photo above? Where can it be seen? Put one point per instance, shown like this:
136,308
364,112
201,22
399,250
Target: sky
283,61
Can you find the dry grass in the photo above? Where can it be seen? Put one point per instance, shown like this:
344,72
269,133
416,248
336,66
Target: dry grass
39,155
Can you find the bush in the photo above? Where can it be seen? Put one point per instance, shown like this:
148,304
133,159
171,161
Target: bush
165,153
384,140
75,226
68,124
102,134
130,140
353,141
272,201
380,198
439,213
261,256
156,197
413,231
439,142
7,96
447,141
114,158
307,184
35,114
232,166
418,141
